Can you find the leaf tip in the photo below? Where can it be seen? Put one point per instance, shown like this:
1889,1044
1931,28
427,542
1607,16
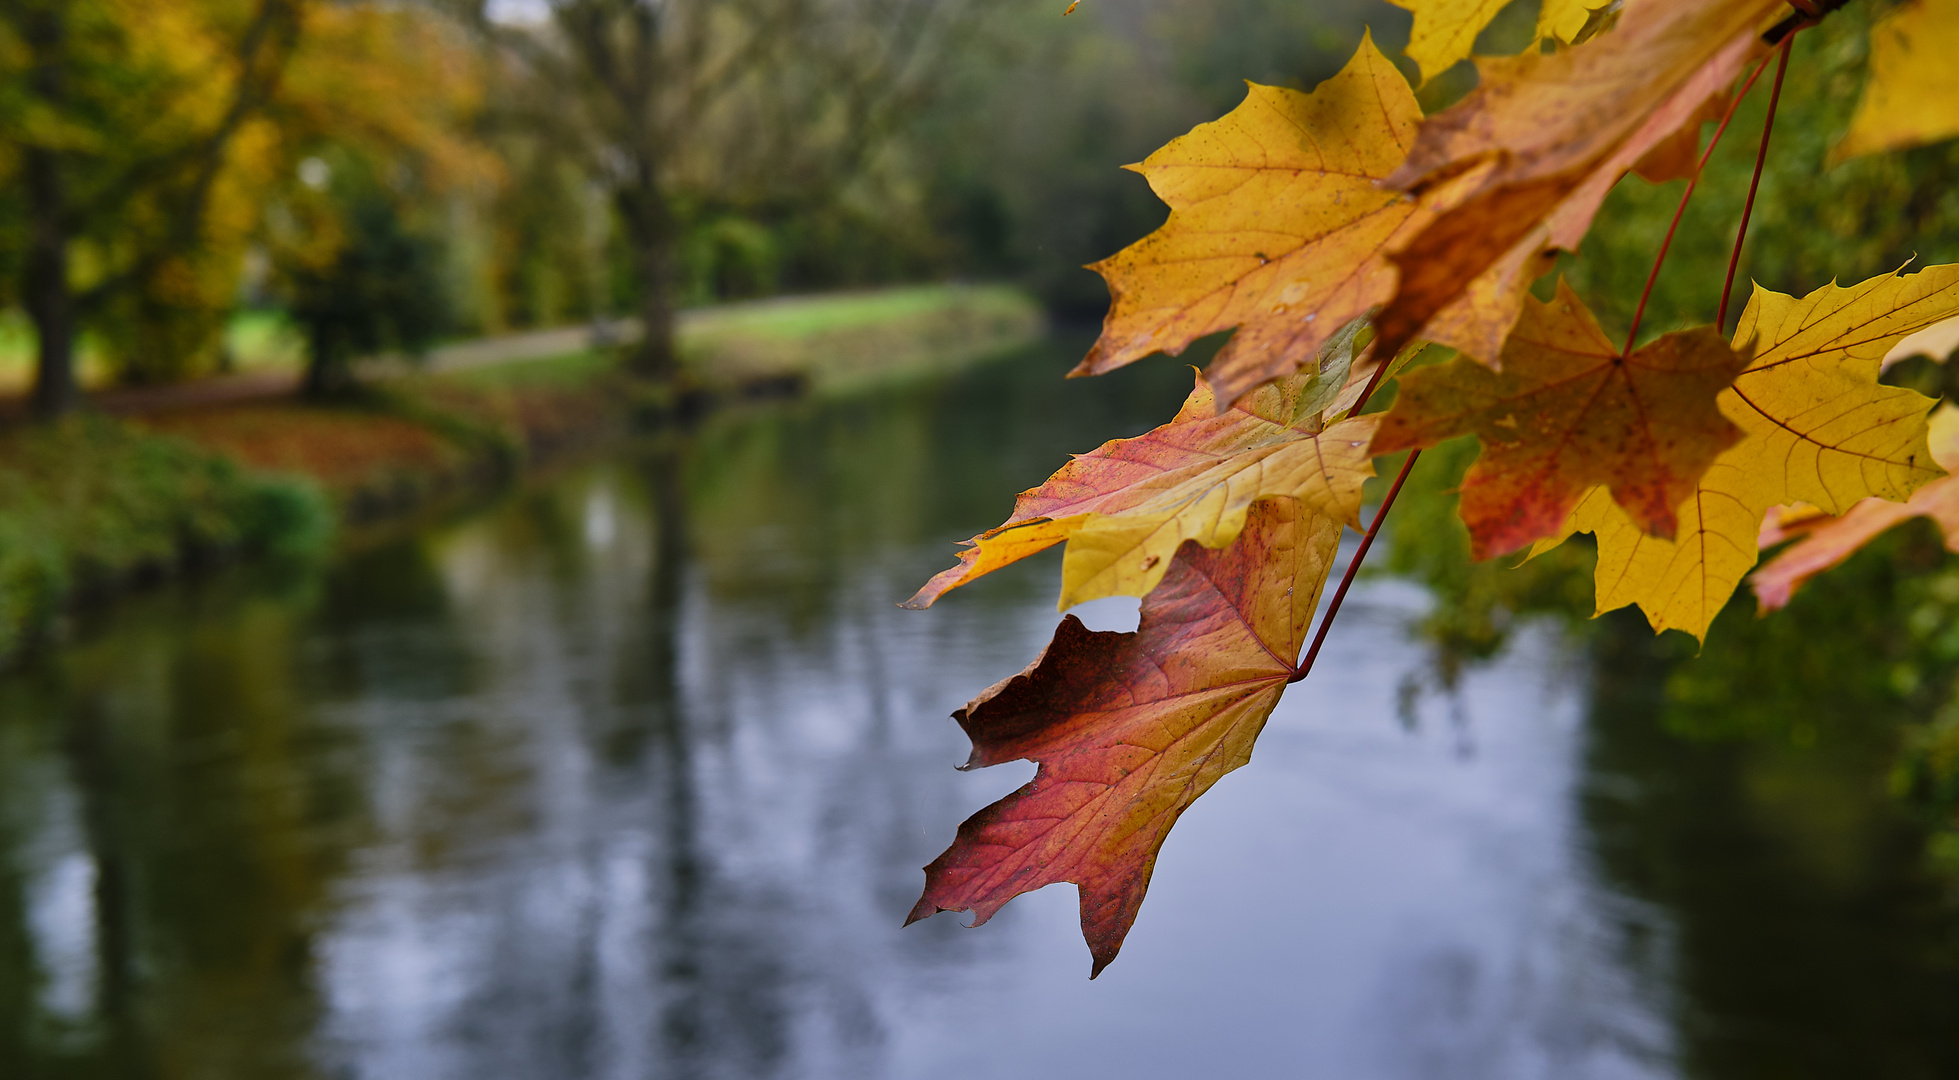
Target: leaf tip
924,909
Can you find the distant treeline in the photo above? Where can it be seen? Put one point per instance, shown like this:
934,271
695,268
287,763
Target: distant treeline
390,173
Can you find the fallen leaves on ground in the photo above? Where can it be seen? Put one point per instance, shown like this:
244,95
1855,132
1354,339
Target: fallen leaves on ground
1130,728
1125,508
1523,162
1912,97
1566,412
1277,227
1819,429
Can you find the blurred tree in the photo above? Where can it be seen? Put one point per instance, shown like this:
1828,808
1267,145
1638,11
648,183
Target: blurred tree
370,281
677,105
1024,146
377,153
156,138
127,113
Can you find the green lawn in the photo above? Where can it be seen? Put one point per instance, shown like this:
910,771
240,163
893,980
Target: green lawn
831,338
792,317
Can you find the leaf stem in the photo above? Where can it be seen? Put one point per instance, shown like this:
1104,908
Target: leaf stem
1373,384
1807,14
1748,208
1639,313
1346,580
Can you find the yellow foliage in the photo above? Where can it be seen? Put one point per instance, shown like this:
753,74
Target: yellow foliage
180,124
1563,19
1445,30
1913,94
389,81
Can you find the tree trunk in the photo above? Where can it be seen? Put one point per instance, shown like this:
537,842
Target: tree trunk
50,301
650,228
329,370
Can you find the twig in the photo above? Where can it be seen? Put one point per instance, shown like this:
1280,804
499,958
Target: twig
1808,13
1747,208
1639,313
1346,580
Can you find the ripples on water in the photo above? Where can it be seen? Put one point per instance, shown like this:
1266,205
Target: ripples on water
632,773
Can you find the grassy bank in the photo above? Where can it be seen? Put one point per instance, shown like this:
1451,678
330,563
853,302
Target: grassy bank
837,344
91,506
95,504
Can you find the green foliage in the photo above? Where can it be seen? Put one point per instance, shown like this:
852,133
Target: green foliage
382,289
1864,662
1021,144
1477,604
91,503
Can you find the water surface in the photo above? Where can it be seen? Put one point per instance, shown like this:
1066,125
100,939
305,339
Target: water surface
631,773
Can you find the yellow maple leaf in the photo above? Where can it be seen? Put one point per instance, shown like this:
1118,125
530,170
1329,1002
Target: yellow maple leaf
1563,19
1445,30
1913,94
1277,227
1828,541
1819,429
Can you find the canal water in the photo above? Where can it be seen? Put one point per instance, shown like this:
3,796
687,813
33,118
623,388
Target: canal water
630,773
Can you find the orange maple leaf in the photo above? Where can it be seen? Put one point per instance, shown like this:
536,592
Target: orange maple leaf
1531,153
1567,412
1130,728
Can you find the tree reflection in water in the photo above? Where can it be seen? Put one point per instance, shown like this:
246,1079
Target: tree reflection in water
631,775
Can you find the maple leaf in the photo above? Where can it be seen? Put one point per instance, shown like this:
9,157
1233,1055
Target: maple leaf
1912,97
1828,541
1445,30
1126,507
1521,165
1277,227
1565,20
1567,412
1678,156
1937,342
1819,429
1130,728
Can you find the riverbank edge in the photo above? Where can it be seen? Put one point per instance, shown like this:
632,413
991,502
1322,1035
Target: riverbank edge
99,506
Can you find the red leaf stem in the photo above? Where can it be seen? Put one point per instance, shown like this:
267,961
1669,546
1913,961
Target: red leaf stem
1748,208
1347,579
1639,313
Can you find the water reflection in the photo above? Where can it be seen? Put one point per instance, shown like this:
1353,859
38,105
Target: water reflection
631,775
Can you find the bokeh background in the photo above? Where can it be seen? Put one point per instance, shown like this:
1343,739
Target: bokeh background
459,463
